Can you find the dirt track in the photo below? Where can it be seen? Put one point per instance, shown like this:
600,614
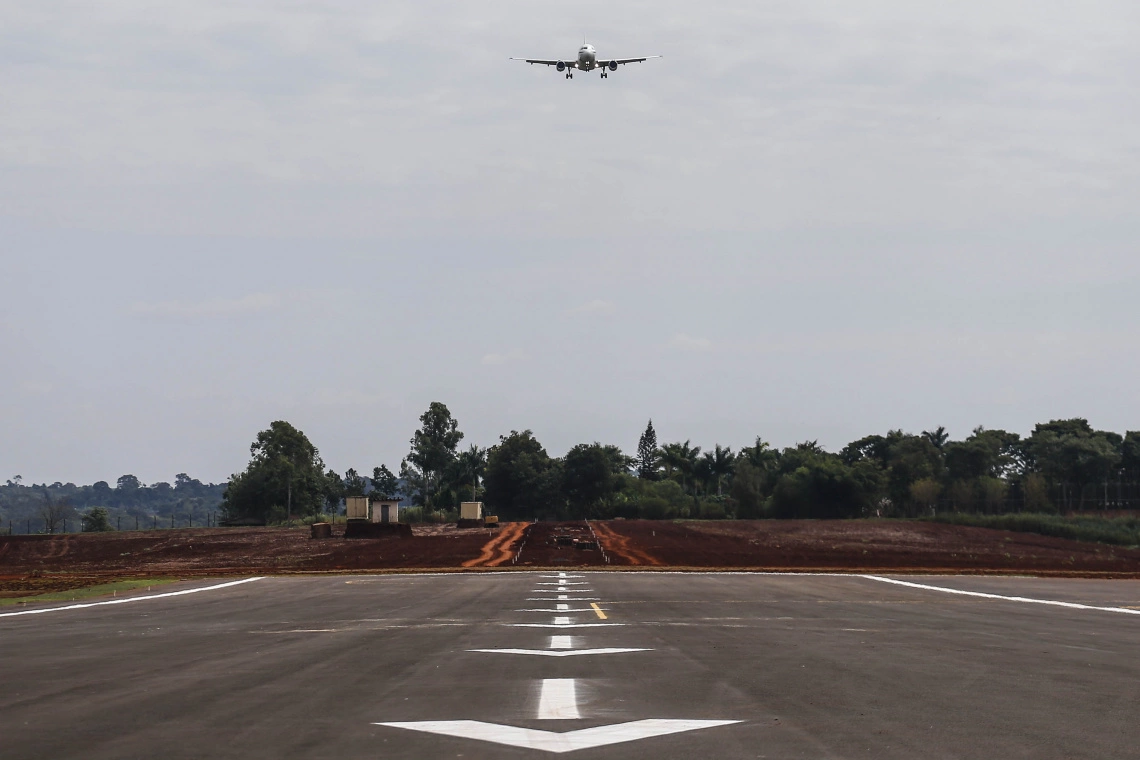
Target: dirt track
621,549
500,549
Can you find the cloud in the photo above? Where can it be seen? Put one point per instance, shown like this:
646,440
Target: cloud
254,303
687,342
597,306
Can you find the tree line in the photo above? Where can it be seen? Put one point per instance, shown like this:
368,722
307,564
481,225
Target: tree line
54,508
1061,466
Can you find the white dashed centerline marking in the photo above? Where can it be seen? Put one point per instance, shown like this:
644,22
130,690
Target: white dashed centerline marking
558,699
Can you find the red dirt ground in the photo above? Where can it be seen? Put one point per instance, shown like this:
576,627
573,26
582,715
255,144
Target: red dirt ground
856,545
34,564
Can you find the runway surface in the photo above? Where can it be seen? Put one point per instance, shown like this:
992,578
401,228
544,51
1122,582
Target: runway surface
588,665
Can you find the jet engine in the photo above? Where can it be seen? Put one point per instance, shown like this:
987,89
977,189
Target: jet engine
560,66
613,65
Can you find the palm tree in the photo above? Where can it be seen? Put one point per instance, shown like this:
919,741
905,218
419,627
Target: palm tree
938,437
680,458
471,465
718,463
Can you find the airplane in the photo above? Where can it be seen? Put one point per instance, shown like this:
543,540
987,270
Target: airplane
587,61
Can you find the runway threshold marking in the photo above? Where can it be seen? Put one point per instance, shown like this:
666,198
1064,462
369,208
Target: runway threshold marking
558,700
130,599
984,595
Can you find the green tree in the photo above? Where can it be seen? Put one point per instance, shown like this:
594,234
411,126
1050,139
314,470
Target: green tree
333,490
938,437
717,464
823,486
95,521
433,451
385,484
924,494
648,457
470,465
521,477
749,486
588,479
910,458
1036,493
1070,453
354,483
680,461
986,453
285,471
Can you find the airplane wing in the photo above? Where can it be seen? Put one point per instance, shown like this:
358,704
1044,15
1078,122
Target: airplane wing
622,61
571,64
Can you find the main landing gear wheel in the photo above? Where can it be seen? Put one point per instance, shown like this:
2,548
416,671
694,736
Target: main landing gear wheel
605,75
569,75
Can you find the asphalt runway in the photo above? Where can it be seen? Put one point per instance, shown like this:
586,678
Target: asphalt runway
599,665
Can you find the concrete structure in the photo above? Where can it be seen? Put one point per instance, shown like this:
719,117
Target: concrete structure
386,511
471,510
356,507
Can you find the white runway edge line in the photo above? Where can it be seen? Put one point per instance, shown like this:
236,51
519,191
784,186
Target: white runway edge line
130,599
983,595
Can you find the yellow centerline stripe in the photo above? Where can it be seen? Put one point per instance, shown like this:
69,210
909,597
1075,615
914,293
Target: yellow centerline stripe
598,610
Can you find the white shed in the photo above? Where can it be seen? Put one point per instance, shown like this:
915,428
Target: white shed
386,511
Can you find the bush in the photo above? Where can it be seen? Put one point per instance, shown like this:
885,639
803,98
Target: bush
1118,531
96,521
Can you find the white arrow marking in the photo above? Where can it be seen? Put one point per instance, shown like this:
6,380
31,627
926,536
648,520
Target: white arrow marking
549,741
560,652
561,625
558,699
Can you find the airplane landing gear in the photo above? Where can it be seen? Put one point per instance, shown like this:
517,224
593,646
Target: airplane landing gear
605,75
569,75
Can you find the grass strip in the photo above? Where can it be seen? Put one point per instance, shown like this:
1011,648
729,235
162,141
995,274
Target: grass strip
1117,531
102,589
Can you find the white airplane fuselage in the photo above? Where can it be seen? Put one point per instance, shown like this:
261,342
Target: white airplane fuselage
587,58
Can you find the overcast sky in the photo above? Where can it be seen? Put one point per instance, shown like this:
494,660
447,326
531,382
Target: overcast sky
811,219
